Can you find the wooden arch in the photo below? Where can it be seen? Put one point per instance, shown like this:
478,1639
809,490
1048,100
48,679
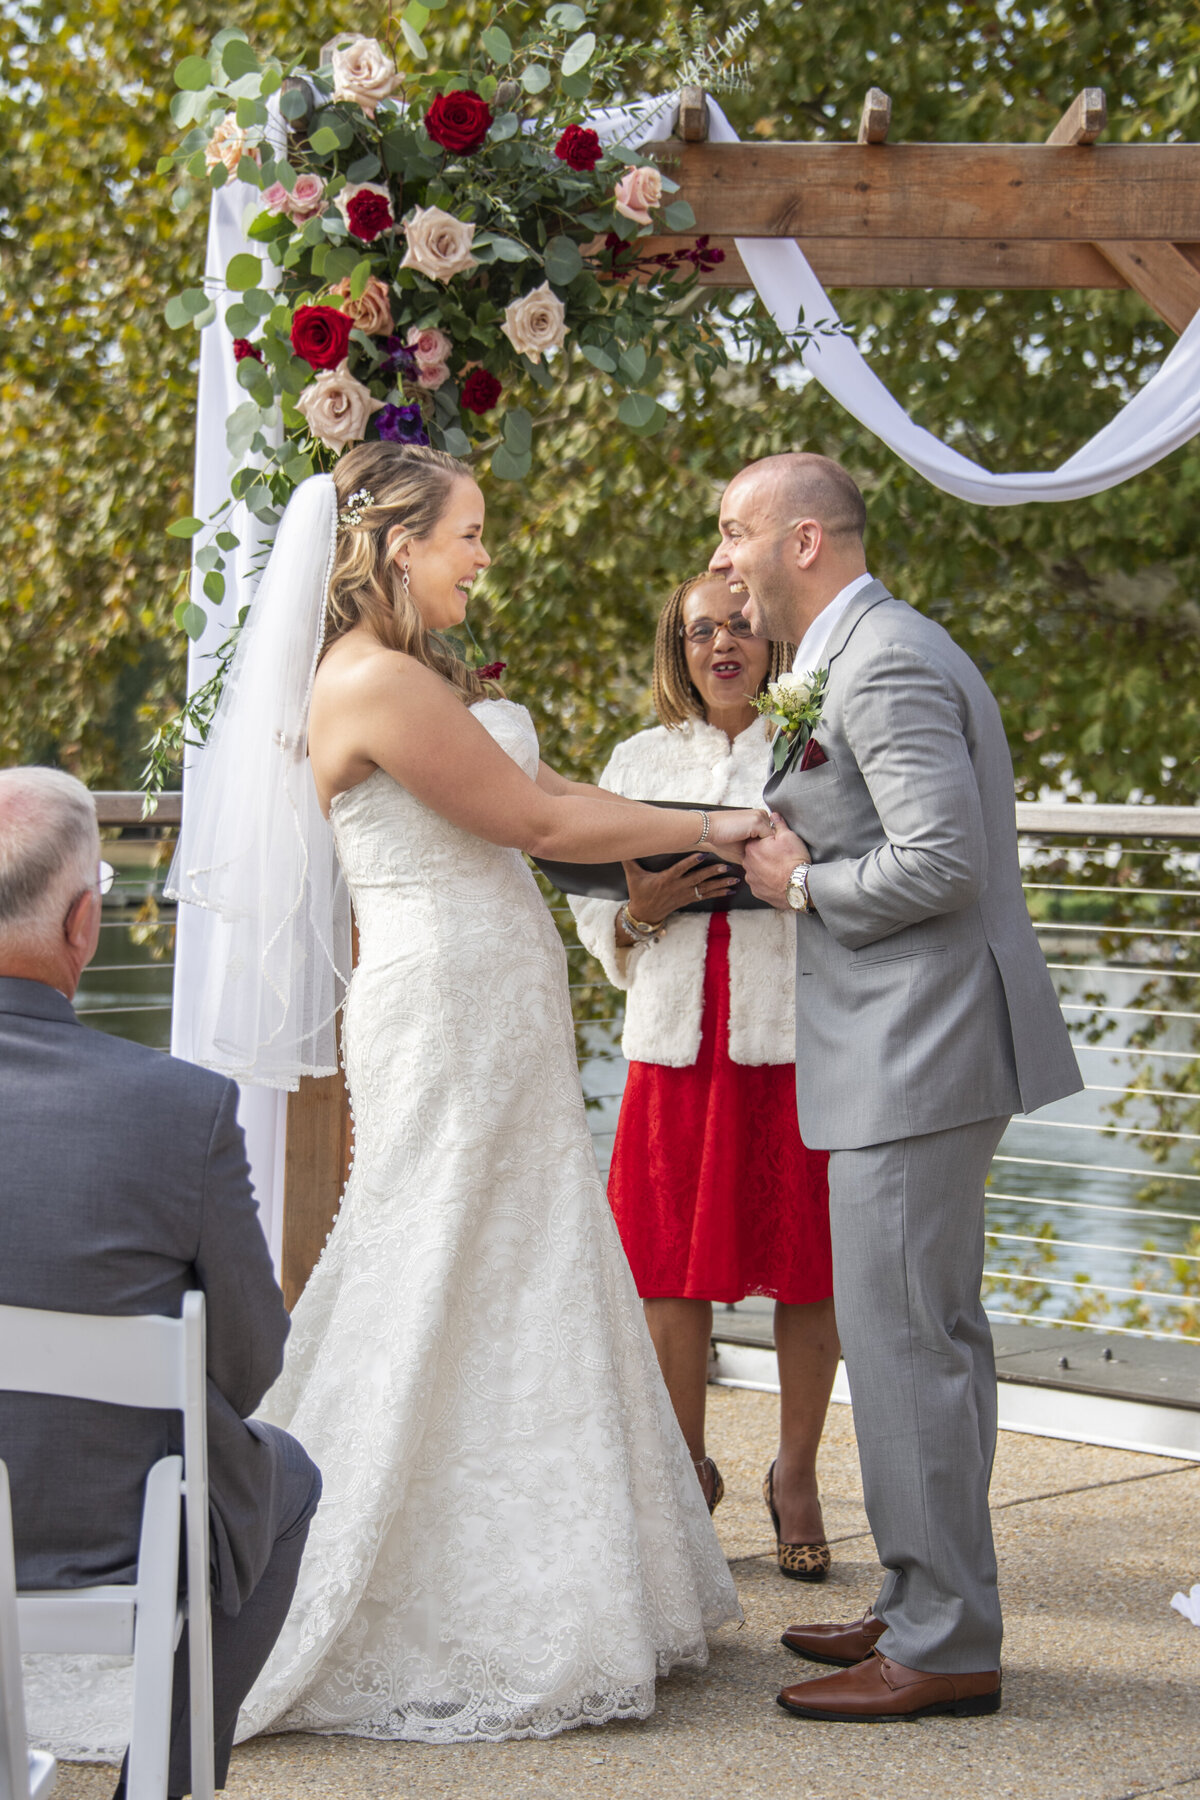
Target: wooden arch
1069,213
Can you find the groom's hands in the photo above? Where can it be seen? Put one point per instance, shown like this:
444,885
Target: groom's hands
770,861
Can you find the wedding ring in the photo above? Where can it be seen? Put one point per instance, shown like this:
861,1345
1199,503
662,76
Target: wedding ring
697,893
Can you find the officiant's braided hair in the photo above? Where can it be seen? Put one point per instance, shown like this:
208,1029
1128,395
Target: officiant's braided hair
407,485
675,698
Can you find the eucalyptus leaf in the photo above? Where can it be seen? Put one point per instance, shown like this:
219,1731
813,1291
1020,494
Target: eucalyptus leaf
498,45
507,467
413,41
659,416
191,618
324,141
359,277
244,271
258,301
208,558
633,363
636,409
293,103
238,59
365,169
218,175
184,528
518,431
579,54
250,112
566,17
416,14
456,441
508,250
228,540
679,216
599,359
193,74
298,468
214,587
576,87
272,81
239,320
563,261
183,106
534,79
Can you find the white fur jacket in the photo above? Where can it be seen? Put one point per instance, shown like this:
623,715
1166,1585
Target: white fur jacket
665,979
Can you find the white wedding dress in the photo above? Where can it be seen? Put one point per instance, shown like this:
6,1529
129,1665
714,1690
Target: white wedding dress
512,1540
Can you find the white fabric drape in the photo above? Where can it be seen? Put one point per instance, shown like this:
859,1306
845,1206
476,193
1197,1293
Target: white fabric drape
1162,415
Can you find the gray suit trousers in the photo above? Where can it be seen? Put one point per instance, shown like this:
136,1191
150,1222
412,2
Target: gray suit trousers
907,1225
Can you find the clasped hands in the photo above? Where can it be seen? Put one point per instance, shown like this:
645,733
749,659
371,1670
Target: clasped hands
768,858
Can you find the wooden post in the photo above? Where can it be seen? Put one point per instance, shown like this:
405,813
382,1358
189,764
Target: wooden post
876,119
692,121
316,1166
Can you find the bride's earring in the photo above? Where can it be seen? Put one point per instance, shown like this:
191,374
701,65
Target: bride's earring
404,580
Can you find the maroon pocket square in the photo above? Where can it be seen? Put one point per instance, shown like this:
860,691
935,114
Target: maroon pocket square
813,755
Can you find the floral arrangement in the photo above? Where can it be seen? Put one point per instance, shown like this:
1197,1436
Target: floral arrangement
793,705
435,252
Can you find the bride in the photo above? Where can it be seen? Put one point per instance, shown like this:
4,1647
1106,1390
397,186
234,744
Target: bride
512,1540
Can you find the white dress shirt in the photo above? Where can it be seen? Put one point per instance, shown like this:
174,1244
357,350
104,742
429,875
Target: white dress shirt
816,638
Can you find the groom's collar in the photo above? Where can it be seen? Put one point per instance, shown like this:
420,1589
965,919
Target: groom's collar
862,603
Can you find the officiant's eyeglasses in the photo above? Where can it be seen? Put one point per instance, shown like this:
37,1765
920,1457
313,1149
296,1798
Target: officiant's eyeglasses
703,631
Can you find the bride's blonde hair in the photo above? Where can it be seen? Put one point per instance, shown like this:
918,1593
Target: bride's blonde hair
409,485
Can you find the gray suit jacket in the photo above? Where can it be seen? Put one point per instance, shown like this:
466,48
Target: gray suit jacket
922,1000
123,1183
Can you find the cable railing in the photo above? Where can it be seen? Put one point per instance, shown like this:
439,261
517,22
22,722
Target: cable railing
1093,1205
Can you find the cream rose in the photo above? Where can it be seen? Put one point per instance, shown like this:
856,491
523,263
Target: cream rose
228,144
337,407
793,689
439,245
535,323
637,192
372,311
364,72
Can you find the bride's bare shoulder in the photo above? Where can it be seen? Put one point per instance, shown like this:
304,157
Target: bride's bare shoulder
358,667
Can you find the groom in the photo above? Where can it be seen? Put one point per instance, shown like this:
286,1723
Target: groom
924,1017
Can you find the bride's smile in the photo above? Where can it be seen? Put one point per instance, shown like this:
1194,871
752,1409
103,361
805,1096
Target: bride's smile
443,567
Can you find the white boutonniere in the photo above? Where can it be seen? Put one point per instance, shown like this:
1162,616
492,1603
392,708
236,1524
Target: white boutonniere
793,706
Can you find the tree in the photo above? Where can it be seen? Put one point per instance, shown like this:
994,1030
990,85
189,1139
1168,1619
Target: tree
1085,616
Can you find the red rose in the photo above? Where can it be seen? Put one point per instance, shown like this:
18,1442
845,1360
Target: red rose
459,120
367,215
579,148
480,391
321,335
491,671
243,347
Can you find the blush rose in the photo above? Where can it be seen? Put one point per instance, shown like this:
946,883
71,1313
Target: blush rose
363,72
637,192
439,245
337,407
535,323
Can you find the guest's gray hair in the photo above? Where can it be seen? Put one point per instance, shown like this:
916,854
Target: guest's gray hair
49,848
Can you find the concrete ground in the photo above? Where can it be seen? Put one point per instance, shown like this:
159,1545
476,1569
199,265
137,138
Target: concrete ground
1101,1678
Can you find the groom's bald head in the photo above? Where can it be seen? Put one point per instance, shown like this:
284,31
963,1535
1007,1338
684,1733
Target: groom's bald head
798,485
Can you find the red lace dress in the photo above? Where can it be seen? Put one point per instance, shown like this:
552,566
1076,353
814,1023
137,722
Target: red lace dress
714,1193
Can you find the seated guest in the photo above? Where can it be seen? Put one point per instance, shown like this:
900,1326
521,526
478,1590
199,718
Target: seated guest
714,1193
125,1185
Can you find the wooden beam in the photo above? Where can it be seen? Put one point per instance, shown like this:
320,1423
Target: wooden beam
1014,192
1162,274
876,119
921,263
316,1167
1083,120
691,121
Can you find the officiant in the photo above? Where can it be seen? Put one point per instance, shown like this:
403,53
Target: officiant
714,1193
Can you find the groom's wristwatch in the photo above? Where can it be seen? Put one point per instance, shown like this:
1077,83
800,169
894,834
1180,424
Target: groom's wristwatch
797,889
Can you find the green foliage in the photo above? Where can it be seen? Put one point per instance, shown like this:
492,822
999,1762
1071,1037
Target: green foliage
1086,617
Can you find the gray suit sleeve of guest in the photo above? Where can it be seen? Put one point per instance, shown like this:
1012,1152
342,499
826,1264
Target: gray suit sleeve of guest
247,1323
904,723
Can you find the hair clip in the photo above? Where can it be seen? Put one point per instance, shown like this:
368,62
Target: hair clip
352,513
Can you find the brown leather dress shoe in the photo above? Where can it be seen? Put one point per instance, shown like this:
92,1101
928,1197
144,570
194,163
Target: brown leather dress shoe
882,1689
841,1645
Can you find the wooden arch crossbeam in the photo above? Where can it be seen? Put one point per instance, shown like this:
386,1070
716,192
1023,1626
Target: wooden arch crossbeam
1063,214
1067,213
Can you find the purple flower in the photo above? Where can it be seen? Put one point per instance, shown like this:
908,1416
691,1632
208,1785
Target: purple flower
402,425
399,358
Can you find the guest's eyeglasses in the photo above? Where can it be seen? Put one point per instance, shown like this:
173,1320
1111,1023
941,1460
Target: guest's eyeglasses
105,876
703,631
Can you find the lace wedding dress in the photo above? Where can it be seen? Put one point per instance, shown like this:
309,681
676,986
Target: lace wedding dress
511,1540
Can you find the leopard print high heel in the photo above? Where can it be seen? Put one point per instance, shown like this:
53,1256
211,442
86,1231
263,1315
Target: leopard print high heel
708,1473
799,1562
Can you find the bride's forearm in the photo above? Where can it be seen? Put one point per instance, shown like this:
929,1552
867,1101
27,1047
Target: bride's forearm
581,827
551,782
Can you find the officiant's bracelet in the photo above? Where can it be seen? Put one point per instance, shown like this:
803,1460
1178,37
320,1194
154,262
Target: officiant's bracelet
638,929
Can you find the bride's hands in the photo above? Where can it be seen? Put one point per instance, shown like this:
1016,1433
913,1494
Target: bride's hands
729,831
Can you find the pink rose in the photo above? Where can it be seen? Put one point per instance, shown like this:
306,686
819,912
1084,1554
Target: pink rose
276,198
638,191
307,198
430,344
432,374
337,407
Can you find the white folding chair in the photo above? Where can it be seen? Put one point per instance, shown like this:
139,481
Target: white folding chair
25,1774
147,1362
